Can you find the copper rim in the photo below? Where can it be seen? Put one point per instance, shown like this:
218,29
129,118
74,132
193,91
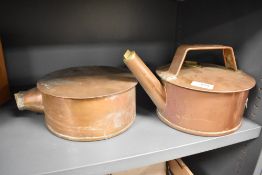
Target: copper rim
195,132
86,82
83,139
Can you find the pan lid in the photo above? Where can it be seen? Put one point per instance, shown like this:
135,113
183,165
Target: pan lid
86,82
206,77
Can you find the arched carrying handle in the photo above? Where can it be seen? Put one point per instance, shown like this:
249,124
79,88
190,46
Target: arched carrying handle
181,52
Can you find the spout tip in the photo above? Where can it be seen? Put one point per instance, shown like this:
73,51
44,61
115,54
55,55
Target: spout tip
128,55
19,98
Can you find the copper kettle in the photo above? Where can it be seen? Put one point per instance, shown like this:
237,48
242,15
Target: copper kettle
201,99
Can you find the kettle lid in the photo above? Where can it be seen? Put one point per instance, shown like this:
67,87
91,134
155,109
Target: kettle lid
86,82
208,78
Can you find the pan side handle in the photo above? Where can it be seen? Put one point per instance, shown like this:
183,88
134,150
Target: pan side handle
29,100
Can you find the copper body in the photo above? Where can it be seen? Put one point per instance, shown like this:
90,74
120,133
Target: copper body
209,112
83,119
83,115
203,113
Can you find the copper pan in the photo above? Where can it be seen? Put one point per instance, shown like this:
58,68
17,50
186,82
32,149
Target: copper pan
84,103
201,99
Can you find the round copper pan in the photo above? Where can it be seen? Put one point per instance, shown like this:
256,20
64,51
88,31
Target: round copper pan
84,104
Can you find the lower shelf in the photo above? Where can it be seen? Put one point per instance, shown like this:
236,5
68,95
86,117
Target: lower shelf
27,147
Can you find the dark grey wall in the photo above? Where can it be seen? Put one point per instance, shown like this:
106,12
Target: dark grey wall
37,22
43,36
238,24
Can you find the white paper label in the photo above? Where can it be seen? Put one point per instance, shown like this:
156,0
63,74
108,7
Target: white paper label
202,85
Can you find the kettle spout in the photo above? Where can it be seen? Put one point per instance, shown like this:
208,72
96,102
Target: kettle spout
29,100
146,78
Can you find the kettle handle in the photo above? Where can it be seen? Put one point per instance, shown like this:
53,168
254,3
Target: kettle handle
181,52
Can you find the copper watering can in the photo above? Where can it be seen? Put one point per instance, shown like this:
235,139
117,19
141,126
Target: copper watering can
206,100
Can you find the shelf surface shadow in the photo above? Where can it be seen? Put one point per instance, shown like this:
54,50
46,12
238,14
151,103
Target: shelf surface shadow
27,147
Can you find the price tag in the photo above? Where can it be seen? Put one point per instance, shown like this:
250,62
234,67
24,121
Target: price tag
202,85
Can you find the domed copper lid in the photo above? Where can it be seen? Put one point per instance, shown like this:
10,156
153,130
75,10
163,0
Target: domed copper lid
86,82
210,78
206,77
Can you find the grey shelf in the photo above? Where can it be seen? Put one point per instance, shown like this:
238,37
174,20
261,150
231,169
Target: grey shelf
27,147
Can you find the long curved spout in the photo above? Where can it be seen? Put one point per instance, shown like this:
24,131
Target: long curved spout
29,100
146,78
